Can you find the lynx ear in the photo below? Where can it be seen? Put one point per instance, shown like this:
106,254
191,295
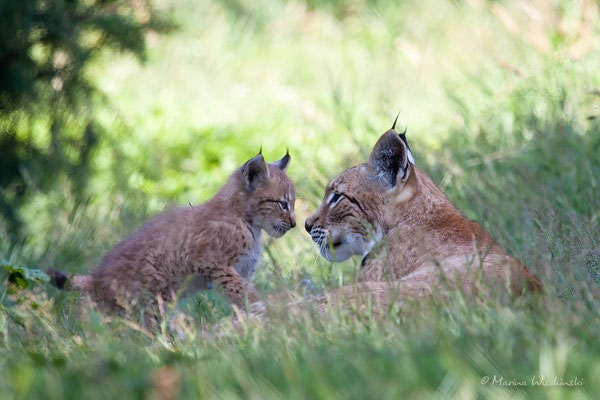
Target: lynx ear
255,171
284,162
389,159
402,135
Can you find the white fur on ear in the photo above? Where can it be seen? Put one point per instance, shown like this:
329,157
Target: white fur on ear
409,154
411,159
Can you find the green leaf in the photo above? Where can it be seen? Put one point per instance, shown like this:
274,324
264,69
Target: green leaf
22,276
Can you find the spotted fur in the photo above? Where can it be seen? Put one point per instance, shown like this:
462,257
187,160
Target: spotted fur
391,214
216,244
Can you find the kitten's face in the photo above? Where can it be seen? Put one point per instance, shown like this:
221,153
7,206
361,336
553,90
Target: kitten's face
271,195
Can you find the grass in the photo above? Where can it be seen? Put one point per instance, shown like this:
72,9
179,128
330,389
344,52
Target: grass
502,107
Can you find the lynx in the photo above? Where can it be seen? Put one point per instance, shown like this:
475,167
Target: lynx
391,214
217,243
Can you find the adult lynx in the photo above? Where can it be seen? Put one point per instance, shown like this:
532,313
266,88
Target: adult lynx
391,214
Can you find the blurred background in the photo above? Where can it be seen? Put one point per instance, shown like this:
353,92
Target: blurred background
113,110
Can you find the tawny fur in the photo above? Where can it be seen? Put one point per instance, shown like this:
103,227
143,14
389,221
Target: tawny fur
217,243
407,231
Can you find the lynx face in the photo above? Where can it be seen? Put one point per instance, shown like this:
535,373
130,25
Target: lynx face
270,195
346,222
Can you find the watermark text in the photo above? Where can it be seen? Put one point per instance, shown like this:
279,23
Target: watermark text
535,380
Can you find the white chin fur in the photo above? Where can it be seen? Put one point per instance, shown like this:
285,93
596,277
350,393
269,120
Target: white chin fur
276,234
352,245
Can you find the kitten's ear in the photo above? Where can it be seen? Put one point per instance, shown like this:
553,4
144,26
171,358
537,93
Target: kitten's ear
255,171
389,159
284,162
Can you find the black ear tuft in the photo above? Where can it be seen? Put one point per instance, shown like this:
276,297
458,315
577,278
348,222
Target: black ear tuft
389,158
284,162
255,171
396,120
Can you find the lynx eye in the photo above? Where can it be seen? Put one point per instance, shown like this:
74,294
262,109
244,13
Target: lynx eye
334,198
284,205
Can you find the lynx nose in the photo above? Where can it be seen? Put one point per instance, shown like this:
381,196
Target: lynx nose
293,224
307,226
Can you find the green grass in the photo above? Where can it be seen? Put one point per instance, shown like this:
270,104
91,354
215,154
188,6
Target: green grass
502,106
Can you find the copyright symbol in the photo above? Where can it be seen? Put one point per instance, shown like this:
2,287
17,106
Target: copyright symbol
485,380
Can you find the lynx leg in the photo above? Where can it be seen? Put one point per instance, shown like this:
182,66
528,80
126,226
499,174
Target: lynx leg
236,289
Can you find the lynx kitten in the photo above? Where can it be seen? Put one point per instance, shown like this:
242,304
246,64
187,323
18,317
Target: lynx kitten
217,243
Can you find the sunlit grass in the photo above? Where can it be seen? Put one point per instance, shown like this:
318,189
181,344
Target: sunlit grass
502,107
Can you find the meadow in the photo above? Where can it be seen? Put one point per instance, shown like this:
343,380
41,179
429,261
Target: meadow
502,105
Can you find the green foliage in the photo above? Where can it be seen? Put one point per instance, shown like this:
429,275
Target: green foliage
47,124
502,107
22,276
